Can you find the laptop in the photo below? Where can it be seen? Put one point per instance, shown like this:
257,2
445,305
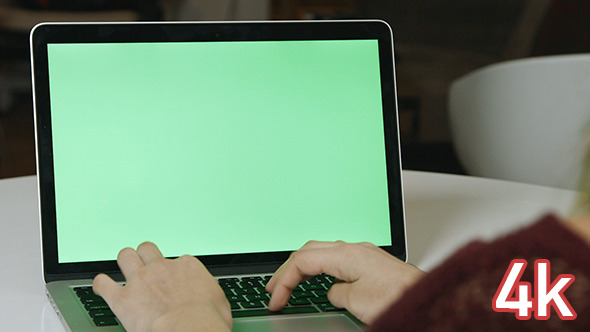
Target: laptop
235,142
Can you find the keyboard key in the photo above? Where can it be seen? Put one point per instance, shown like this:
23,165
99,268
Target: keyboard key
236,298
84,291
298,310
96,306
319,300
251,304
88,299
263,312
244,291
328,307
233,279
101,313
313,280
229,285
260,290
257,297
105,321
259,278
250,284
302,294
310,287
301,301
299,288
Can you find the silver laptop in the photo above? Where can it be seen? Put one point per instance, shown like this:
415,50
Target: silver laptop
233,142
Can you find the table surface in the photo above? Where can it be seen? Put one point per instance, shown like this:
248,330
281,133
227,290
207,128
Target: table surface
443,212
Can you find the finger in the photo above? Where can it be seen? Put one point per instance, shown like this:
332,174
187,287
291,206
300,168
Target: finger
338,294
149,252
310,245
308,263
106,287
129,261
321,244
271,283
336,259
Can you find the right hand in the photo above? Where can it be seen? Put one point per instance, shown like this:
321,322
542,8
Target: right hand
368,278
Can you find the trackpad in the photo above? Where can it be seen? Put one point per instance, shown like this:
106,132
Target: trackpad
324,323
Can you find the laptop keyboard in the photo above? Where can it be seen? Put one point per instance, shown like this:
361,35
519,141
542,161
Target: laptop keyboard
96,307
246,295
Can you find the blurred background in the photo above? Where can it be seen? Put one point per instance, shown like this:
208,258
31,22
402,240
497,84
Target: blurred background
436,42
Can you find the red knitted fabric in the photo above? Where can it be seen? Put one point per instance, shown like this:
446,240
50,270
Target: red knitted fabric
457,295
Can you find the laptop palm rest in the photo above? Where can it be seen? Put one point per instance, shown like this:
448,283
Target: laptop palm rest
324,323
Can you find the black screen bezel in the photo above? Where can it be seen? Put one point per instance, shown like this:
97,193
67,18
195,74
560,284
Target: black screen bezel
189,32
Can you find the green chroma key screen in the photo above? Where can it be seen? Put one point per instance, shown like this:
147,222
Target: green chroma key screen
216,147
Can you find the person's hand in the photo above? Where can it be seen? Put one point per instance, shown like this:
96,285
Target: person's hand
368,278
164,294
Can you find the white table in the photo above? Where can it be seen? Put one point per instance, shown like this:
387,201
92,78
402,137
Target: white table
442,212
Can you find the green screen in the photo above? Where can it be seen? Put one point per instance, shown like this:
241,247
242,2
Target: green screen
216,147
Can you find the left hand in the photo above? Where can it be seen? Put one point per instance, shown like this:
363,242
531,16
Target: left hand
164,294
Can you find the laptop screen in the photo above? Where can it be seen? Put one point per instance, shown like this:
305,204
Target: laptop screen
216,147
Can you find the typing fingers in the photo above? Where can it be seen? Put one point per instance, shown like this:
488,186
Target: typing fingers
106,287
339,294
304,263
311,245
